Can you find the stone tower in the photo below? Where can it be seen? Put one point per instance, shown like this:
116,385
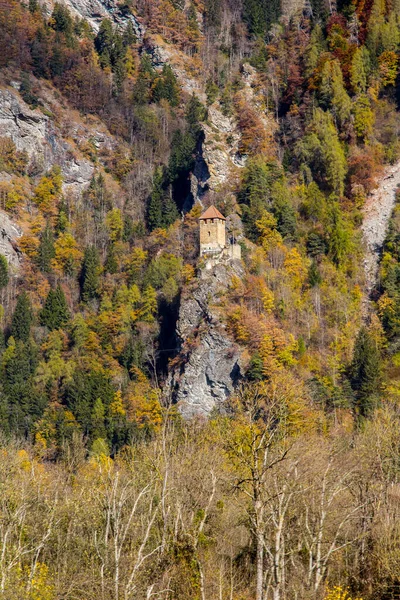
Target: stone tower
212,232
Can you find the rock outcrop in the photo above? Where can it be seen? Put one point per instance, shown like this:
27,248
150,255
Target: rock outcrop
208,366
37,134
94,11
9,233
27,128
376,215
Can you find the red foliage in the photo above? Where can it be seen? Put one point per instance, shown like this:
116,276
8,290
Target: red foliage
363,11
364,169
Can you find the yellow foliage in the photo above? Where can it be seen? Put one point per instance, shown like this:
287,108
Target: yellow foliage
115,224
295,267
29,245
116,406
386,305
270,237
144,407
188,273
240,332
67,254
267,299
23,459
48,191
338,593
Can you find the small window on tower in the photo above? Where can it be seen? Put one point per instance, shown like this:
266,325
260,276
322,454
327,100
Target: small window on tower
209,233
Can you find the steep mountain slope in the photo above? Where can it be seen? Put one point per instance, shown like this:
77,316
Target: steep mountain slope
376,215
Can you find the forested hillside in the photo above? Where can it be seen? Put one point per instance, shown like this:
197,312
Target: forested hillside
174,431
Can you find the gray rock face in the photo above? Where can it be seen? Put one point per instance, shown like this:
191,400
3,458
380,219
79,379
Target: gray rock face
9,233
26,127
94,11
36,133
208,365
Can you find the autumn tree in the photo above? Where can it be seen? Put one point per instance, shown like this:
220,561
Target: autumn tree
55,313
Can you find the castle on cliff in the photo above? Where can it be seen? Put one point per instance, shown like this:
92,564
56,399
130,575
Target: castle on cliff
213,243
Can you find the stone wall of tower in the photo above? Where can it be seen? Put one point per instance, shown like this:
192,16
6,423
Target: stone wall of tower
212,235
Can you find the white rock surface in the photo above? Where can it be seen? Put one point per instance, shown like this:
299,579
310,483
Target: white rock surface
377,212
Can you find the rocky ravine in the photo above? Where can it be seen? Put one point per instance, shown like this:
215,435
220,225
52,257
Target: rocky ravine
204,373
376,215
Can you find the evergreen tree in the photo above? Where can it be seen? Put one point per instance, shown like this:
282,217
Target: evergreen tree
195,114
61,19
89,278
22,318
111,263
33,6
365,373
212,13
142,89
283,210
98,415
104,43
4,277
181,160
46,251
260,15
55,314
314,276
62,217
155,206
339,236
166,87
129,36
170,212
56,62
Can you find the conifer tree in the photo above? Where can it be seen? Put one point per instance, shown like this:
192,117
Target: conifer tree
4,277
104,43
365,372
55,314
170,212
129,36
22,318
155,206
89,278
61,19
166,87
111,263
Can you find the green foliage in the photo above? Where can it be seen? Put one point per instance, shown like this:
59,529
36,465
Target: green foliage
61,19
182,155
22,318
166,87
322,151
161,209
195,114
259,179
142,92
339,236
55,313
162,268
365,373
89,278
314,276
104,42
283,210
4,276
360,70
332,91
260,14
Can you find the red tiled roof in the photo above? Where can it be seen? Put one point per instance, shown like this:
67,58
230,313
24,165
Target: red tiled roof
212,213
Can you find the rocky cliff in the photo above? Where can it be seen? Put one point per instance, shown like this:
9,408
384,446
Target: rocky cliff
208,366
94,11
